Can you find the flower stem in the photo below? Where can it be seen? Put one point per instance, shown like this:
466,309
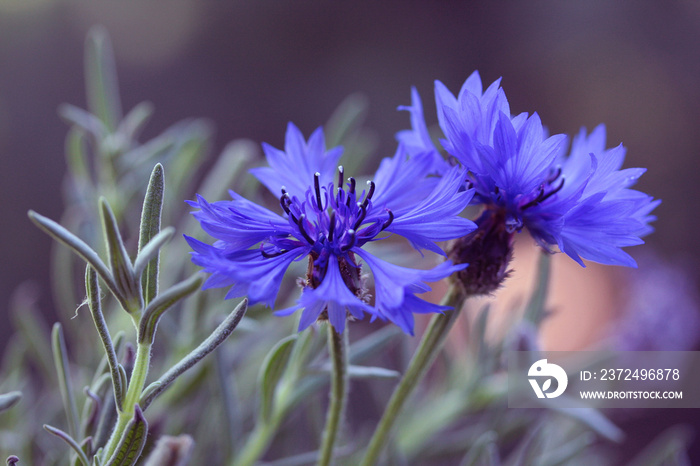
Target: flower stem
136,385
424,356
337,348
257,443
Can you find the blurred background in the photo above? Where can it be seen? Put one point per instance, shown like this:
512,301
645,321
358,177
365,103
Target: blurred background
250,67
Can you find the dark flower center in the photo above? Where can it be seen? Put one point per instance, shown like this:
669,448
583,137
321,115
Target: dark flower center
515,204
488,250
546,189
332,220
335,220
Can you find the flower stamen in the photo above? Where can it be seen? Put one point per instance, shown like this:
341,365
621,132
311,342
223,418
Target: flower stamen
389,221
300,224
554,191
331,227
369,195
541,196
285,201
556,175
268,255
341,176
317,187
361,217
351,191
353,239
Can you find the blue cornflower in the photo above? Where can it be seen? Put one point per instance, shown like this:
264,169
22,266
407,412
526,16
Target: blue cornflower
580,202
329,221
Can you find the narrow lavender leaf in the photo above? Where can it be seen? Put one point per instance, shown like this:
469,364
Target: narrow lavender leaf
217,337
60,356
149,228
70,441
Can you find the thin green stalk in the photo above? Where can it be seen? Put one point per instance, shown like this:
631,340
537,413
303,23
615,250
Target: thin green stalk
258,442
337,348
133,393
430,345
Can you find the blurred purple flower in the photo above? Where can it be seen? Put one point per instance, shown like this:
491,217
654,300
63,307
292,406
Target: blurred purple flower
580,203
661,311
329,222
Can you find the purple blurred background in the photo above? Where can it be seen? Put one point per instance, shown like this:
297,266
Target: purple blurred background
251,67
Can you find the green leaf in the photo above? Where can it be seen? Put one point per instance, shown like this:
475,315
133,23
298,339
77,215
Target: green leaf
101,78
122,375
366,372
138,157
76,156
119,261
135,120
83,119
193,138
535,310
427,420
151,250
231,163
588,416
481,452
217,337
566,453
70,441
106,422
308,344
78,246
230,405
271,371
93,403
132,441
344,128
63,266
151,391
370,372
86,446
530,447
163,302
10,399
94,303
60,356
150,227
30,325
346,119
372,343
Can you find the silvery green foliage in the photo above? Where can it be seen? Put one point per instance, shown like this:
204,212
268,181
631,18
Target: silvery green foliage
262,393
134,285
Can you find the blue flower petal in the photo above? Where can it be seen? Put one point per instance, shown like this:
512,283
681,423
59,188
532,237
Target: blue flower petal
239,223
393,283
401,182
248,271
596,230
295,167
435,218
417,140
